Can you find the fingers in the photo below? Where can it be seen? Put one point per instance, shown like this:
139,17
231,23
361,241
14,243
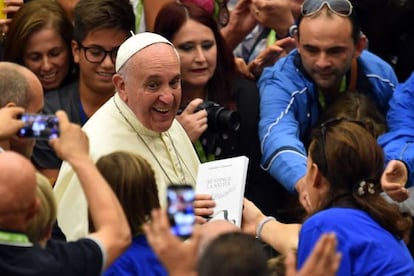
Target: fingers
202,197
323,260
193,120
204,201
394,179
192,106
200,220
10,123
290,264
326,255
203,207
157,231
63,119
14,111
287,43
72,143
243,68
202,214
399,195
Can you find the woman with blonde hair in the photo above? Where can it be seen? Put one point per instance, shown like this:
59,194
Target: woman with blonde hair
40,227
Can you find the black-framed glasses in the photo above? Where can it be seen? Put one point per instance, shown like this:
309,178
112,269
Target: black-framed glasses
96,54
323,129
339,7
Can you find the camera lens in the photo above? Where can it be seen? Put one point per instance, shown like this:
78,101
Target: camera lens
220,118
227,119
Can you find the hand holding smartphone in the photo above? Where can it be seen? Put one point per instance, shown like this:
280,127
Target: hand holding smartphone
39,126
180,199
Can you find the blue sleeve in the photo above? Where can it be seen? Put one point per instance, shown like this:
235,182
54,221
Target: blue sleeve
382,78
284,155
398,142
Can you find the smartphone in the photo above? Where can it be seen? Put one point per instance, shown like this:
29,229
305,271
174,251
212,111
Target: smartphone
2,6
39,126
180,199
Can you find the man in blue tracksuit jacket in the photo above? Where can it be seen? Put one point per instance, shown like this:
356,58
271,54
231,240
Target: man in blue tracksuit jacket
330,58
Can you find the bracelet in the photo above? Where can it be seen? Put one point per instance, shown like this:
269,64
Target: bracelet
261,224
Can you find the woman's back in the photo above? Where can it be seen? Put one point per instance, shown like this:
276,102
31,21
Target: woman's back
366,247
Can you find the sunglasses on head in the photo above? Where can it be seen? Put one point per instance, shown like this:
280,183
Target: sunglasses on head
339,7
323,128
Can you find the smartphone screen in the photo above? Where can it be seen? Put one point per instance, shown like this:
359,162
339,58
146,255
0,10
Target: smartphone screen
39,126
180,209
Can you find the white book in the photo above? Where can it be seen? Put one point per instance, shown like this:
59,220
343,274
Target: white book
225,181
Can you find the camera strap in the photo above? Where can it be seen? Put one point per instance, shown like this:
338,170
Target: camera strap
201,152
354,76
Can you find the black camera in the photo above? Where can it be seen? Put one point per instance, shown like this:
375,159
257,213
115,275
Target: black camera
219,118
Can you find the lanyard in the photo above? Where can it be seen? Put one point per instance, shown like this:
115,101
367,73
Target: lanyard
14,238
138,15
321,98
201,153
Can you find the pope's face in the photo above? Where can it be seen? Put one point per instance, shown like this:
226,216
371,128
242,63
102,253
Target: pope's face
151,86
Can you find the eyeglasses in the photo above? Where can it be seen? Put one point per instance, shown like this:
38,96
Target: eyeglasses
339,7
323,130
96,54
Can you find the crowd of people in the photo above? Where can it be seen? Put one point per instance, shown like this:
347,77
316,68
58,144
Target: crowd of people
145,91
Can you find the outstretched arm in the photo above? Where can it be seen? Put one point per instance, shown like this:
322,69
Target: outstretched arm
281,236
106,212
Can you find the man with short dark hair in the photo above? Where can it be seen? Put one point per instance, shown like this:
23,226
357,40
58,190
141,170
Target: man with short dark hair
330,59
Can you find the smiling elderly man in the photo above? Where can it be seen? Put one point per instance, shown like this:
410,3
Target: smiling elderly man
139,118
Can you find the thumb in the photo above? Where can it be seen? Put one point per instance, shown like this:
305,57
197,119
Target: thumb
63,118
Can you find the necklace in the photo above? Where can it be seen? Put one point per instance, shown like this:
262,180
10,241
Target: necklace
181,173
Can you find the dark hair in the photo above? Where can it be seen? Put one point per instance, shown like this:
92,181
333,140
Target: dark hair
133,181
93,15
353,18
360,107
169,21
234,253
347,154
33,17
